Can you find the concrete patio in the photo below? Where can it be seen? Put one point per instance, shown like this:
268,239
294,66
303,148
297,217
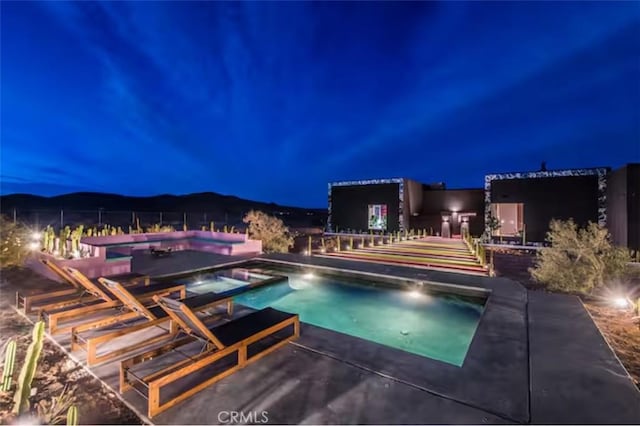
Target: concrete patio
535,358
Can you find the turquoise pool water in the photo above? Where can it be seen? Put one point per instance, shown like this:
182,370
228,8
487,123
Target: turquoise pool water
222,281
438,326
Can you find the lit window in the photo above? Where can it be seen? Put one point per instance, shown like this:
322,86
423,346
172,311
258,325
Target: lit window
510,216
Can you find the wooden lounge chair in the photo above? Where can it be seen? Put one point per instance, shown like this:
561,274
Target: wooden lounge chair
101,299
228,347
136,317
69,292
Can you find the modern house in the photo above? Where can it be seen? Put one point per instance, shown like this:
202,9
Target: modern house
511,206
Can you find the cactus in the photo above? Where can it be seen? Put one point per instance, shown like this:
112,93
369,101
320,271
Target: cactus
246,231
225,229
204,228
62,244
232,230
52,240
350,243
184,227
211,226
72,416
338,246
9,363
45,237
309,248
21,398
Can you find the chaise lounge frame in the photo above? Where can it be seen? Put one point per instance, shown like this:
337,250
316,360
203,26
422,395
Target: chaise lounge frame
214,350
136,310
69,296
100,300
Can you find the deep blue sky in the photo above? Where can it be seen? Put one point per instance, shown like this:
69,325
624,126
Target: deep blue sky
270,101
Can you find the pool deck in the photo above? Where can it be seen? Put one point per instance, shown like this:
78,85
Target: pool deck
535,358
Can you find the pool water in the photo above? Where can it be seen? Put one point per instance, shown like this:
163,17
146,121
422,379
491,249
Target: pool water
439,326
222,281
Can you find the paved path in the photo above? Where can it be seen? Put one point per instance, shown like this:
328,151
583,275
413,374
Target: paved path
431,252
575,376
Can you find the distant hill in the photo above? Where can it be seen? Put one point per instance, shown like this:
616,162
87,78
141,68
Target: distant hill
216,205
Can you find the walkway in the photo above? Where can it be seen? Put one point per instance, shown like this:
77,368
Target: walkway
431,252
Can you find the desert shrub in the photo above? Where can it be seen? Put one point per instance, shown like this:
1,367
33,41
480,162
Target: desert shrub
14,243
270,230
578,259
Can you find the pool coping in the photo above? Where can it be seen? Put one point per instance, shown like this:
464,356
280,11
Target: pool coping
464,290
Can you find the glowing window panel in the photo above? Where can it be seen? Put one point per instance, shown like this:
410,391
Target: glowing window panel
378,217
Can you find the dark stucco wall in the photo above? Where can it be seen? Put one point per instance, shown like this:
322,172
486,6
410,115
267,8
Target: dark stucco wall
617,206
623,206
350,204
633,205
550,198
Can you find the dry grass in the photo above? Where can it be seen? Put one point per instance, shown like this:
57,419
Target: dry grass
622,334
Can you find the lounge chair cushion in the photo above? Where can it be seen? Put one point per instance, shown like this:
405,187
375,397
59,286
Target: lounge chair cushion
239,329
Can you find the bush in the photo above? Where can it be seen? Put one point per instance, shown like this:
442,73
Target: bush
578,260
14,243
270,230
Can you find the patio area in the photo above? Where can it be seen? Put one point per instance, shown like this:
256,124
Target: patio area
535,358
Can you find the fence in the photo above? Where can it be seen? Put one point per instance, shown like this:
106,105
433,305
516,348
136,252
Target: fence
40,218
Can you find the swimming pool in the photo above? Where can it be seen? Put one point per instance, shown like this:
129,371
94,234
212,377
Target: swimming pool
226,280
431,324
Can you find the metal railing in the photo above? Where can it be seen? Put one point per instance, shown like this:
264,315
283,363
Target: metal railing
59,218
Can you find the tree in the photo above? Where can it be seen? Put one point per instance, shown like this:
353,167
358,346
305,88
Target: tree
14,243
270,230
578,260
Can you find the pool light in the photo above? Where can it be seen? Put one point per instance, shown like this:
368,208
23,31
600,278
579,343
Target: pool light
308,276
414,294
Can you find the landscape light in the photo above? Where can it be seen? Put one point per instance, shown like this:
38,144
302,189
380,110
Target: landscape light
36,235
621,302
34,245
322,250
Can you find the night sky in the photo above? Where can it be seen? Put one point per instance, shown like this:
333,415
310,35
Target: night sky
270,101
